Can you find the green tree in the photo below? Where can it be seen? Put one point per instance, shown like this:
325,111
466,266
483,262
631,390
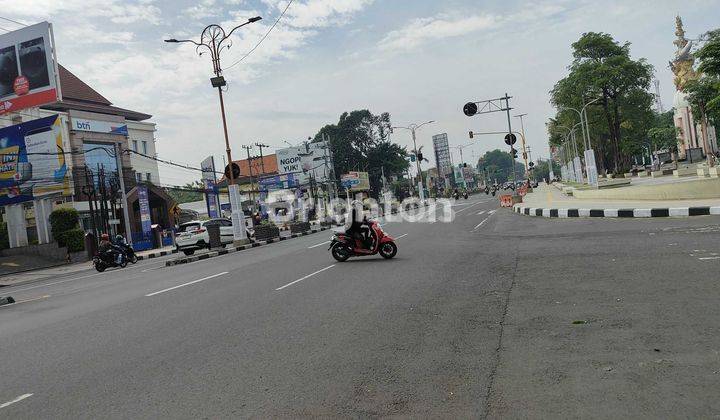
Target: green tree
192,191
663,133
602,68
498,164
542,169
360,142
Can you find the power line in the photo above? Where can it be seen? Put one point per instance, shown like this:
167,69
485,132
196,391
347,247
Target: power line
261,39
13,21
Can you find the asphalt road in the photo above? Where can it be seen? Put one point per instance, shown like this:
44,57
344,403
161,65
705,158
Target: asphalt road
473,318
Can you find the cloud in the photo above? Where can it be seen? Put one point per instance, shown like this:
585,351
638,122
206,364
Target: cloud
117,10
422,30
318,13
444,26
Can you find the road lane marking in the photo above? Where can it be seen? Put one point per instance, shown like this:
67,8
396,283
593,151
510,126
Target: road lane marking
186,284
481,223
401,236
470,206
709,258
317,245
305,277
480,212
492,211
18,399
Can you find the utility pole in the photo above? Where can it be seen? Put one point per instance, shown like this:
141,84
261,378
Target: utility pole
262,161
249,160
126,213
213,38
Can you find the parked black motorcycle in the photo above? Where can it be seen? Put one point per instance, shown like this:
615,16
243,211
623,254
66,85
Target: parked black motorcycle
106,260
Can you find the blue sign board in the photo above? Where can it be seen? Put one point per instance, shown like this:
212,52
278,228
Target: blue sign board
144,204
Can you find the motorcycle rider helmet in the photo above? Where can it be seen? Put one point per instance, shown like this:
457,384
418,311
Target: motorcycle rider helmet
119,238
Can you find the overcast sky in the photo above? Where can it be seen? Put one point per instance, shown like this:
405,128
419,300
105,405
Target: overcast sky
418,60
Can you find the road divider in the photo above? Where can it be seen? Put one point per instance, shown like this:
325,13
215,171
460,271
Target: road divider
186,284
305,277
619,213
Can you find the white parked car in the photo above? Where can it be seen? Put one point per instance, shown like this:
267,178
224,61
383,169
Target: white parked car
193,235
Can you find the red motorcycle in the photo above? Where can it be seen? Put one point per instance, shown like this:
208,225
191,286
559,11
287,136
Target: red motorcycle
344,246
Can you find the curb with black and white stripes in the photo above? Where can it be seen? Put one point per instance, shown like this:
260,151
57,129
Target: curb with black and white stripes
225,251
156,254
621,213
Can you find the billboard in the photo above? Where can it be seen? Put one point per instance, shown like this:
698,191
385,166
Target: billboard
303,160
442,154
277,182
28,75
356,181
32,161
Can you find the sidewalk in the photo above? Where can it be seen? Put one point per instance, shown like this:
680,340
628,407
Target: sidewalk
549,201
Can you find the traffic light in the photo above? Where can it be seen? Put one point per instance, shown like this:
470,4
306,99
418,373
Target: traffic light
471,134
420,156
464,165
513,152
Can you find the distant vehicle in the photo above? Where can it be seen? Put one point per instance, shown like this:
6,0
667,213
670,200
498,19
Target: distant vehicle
193,235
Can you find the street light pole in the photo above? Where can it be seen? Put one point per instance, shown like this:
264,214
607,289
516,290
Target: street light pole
525,155
412,128
213,38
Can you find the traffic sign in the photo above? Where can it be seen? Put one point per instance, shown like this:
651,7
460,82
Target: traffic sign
531,164
236,171
510,139
470,109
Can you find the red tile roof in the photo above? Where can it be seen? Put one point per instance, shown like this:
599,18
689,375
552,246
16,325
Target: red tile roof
78,95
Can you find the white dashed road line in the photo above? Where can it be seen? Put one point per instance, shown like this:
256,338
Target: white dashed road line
481,223
186,284
317,245
481,212
305,277
18,399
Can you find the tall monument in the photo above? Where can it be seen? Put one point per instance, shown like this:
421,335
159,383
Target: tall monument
692,140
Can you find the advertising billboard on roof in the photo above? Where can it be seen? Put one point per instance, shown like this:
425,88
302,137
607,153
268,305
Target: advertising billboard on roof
28,75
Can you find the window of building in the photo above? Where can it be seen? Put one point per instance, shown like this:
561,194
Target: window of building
144,147
138,176
149,177
134,145
100,158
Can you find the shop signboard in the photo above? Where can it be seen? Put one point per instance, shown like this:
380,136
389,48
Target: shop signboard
95,126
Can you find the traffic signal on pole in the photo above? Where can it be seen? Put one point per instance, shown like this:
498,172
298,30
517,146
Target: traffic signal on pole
471,134
420,157
513,152
464,165
470,109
